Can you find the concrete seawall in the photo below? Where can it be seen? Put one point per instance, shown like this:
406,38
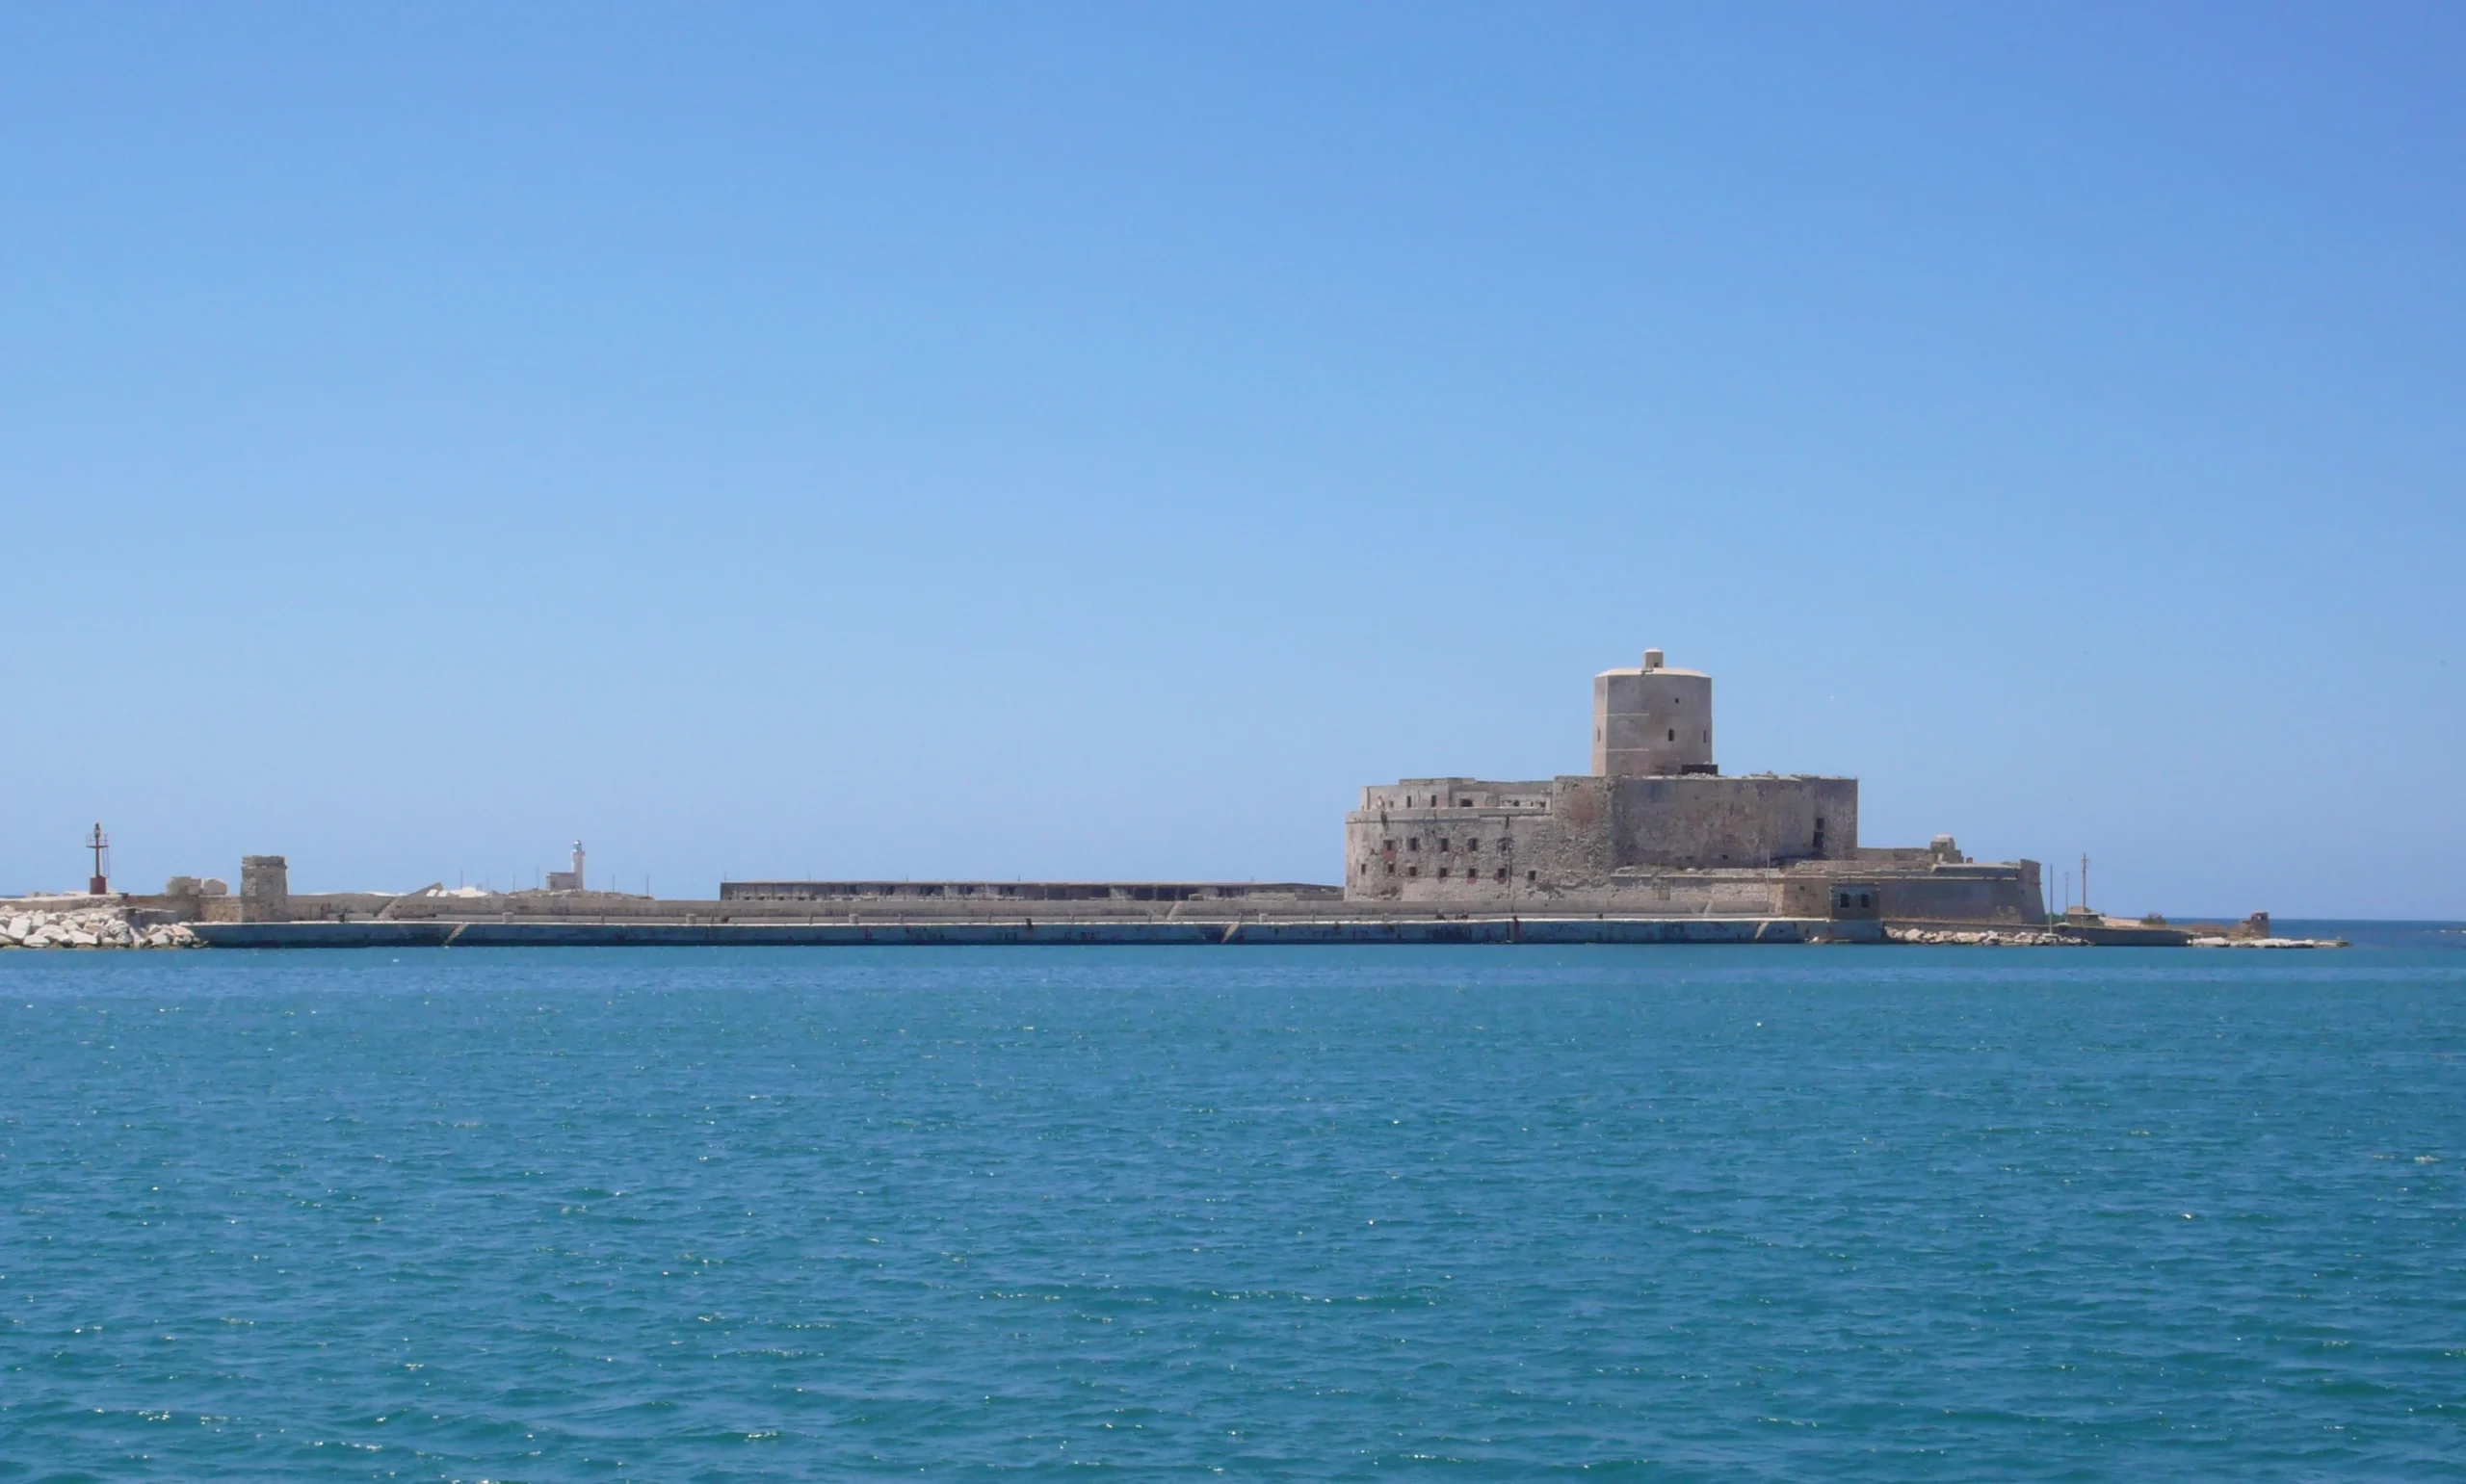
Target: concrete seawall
1024,933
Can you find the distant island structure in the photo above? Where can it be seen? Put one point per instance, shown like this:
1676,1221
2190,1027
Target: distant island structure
1654,845
1656,830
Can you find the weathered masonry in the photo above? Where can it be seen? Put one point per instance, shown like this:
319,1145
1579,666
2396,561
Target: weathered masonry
842,893
1656,829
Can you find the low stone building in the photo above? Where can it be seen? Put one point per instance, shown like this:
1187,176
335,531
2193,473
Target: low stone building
1656,829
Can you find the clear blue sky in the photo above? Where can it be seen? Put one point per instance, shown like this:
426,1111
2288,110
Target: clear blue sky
1081,441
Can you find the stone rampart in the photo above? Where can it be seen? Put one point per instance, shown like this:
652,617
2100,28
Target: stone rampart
1495,843
265,889
854,891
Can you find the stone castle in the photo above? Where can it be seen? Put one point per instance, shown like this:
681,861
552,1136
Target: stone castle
1655,830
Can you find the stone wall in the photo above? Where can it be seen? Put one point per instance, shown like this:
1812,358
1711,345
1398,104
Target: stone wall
1926,889
1717,823
840,892
265,889
1477,842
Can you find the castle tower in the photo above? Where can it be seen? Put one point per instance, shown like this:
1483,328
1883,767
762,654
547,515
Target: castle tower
265,889
1652,719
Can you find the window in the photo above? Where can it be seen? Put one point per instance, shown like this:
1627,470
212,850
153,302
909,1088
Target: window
1387,845
1391,868
1502,873
1413,842
1412,871
1463,803
1442,872
1673,734
1472,845
1531,876
1442,844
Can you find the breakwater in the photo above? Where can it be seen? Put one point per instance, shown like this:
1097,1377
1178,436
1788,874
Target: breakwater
1027,932
88,927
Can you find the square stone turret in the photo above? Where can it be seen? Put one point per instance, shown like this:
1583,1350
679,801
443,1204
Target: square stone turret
265,889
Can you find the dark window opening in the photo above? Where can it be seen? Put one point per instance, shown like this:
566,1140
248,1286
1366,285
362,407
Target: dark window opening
1531,876
1472,845
1412,871
1442,872
1413,842
1442,844
1502,873
1463,803
1673,734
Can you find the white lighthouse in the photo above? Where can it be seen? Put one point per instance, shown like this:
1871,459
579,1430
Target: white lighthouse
569,880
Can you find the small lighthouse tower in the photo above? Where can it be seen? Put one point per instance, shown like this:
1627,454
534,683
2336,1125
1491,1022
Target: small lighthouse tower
569,880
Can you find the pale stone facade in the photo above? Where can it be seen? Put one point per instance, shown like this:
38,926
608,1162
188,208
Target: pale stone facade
265,889
1652,719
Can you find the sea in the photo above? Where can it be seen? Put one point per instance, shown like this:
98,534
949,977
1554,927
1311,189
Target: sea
1502,1212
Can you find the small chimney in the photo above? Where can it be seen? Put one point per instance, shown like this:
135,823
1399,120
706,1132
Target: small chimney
1652,659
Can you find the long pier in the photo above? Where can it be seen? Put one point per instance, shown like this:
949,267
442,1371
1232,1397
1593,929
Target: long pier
1029,932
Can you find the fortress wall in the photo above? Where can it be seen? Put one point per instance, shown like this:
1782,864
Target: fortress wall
1966,894
1997,893
1670,894
1509,835
1499,848
1714,822
842,892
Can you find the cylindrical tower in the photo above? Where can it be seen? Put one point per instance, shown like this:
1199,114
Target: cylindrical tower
1652,719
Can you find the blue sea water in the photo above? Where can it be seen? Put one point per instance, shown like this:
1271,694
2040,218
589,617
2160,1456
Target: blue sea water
1768,1213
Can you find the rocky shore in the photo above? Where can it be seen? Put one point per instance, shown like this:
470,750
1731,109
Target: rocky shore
2024,938
88,927
1993,938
